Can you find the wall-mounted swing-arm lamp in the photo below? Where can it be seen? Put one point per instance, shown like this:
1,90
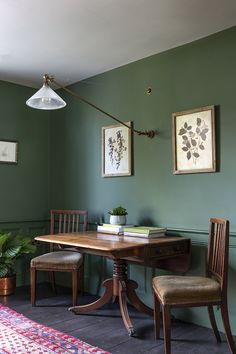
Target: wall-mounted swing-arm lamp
46,98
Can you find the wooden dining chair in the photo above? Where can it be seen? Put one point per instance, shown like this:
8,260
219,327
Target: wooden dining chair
62,259
190,291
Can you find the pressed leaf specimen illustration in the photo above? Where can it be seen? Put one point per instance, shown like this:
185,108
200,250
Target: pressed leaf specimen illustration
194,139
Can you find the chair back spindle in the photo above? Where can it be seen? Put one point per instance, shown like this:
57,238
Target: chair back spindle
217,260
68,221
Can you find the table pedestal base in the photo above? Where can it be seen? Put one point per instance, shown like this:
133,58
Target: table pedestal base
118,287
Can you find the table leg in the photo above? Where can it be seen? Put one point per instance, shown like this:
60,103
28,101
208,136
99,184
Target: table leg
104,299
118,287
135,300
123,308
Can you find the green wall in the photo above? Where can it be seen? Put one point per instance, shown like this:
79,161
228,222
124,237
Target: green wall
60,155
194,75
198,74
24,188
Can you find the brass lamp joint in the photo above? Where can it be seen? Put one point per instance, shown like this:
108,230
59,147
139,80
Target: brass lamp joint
47,79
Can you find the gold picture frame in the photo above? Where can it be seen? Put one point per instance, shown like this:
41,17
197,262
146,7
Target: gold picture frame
193,137
116,150
8,151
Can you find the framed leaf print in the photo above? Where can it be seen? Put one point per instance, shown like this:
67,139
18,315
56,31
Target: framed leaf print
116,150
194,141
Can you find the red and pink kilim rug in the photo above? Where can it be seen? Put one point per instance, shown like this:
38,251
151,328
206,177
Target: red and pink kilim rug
20,335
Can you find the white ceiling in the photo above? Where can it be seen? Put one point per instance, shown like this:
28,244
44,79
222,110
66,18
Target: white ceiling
76,39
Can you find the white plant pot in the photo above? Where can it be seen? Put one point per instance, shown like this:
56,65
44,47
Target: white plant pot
118,219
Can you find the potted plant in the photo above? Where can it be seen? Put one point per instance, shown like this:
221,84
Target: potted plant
118,215
11,248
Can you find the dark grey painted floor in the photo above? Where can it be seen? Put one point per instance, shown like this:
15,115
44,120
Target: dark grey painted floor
104,327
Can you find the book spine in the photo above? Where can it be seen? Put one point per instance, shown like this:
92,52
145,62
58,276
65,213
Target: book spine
116,226
109,230
138,234
109,225
144,231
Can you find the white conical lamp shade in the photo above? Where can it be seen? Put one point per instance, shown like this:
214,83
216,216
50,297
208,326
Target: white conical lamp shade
46,98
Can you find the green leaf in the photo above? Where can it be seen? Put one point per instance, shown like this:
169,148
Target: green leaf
3,239
12,251
9,261
12,241
118,211
29,248
3,270
202,147
185,125
189,155
185,148
12,247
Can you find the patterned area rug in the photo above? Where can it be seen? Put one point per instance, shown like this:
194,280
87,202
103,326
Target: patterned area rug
20,335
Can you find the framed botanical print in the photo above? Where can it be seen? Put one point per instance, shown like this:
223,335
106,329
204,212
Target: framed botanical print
8,151
116,150
193,135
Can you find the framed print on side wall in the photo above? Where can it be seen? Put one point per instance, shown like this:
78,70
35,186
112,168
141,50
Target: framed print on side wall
116,150
194,141
8,151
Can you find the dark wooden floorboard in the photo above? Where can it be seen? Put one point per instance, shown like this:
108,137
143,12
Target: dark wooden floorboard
104,327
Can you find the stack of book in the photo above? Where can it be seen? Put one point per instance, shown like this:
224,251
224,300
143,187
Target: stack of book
112,229
145,231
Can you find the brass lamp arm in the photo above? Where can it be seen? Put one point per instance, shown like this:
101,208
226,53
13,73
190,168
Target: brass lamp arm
50,79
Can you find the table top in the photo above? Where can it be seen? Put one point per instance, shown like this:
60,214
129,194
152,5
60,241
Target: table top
105,242
136,249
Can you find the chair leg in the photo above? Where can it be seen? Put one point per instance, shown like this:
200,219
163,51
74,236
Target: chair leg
213,322
33,279
53,282
166,328
228,333
74,287
81,278
157,315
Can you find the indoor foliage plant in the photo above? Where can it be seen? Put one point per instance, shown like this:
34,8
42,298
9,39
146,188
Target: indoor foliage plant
118,215
11,248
